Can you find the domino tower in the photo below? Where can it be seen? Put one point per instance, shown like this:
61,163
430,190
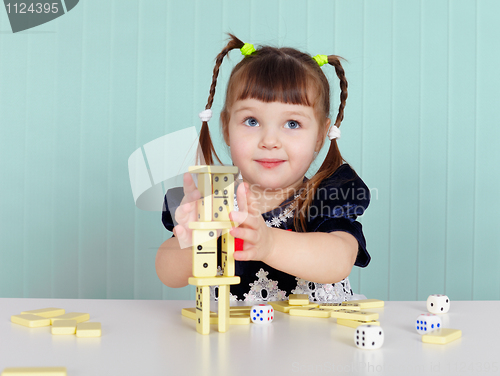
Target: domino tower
216,185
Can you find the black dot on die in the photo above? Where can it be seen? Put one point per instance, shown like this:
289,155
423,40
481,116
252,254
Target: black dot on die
357,343
442,308
379,333
432,304
373,343
447,300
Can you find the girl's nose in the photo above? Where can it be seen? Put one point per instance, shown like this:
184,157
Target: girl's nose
270,139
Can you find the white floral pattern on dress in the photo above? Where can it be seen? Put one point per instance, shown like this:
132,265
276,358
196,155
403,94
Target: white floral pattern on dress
263,284
324,293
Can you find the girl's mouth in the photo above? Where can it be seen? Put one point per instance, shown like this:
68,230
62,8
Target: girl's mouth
270,163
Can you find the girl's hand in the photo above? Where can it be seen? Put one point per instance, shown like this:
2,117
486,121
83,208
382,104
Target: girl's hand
186,212
258,238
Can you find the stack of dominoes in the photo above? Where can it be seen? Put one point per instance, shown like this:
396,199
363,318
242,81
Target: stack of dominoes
216,185
60,322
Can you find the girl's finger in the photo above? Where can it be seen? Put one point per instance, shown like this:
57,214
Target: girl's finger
251,202
241,197
245,255
248,235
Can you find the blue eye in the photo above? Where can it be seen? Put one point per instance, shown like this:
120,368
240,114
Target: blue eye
251,122
292,124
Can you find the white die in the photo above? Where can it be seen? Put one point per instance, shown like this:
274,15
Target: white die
369,337
438,304
262,313
428,322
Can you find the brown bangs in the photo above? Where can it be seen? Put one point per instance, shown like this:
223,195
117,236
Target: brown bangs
273,76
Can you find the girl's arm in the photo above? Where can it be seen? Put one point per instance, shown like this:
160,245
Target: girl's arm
319,257
173,264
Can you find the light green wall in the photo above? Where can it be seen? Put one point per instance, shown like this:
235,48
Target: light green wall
79,94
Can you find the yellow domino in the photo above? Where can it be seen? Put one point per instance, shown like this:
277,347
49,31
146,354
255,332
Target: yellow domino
204,204
239,319
283,306
310,312
88,329
227,253
350,314
442,336
78,316
238,309
298,299
236,318
34,371
213,281
223,196
356,323
45,312
212,225
190,313
63,327
29,320
239,313
204,251
365,303
337,306
223,306
205,169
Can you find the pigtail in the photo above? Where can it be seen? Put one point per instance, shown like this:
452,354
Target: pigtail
207,147
335,61
333,159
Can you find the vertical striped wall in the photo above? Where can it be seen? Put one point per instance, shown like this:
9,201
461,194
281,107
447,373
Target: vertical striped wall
79,94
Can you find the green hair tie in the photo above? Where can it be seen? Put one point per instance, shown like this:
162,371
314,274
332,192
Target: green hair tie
247,49
321,59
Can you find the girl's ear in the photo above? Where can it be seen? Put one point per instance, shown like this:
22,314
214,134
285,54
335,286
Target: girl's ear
322,135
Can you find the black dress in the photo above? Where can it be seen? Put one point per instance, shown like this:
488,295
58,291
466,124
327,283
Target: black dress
338,201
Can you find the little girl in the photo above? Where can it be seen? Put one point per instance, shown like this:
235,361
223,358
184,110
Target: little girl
275,121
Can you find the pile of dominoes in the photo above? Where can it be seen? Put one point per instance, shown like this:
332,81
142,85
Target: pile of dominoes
60,322
369,334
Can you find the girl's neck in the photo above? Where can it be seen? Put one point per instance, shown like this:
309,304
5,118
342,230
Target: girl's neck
269,199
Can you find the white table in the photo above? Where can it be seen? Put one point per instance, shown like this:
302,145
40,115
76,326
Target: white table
150,337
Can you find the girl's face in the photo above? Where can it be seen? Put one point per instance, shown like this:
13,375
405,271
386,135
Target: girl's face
273,143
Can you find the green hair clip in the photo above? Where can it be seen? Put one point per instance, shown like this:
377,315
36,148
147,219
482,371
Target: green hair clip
321,59
247,49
